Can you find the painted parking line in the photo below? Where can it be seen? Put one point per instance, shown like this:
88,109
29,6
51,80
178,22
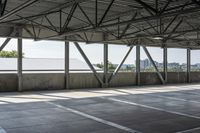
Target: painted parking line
192,88
2,130
189,130
109,123
166,97
174,98
151,107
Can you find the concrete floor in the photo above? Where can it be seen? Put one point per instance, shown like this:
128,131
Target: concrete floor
152,109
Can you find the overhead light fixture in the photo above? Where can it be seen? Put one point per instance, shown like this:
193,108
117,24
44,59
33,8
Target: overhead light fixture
157,38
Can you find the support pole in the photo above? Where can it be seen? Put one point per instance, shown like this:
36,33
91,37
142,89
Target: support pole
165,61
19,61
154,65
67,65
105,70
89,63
138,65
188,64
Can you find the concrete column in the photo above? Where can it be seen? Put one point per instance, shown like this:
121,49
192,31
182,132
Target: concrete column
19,61
67,76
188,64
138,65
165,61
105,65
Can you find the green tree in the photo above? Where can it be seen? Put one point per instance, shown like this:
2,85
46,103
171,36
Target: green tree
9,54
99,65
111,66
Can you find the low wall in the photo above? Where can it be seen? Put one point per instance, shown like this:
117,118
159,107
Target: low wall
50,81
8,82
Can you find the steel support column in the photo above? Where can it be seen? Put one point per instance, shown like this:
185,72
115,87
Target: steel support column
154,65
138,65
67,65
165,61
19,61
89,63
188,64
105,70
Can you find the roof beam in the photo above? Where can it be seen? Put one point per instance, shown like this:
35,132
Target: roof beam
84,13
127,27
106,12
142,19
70,16
2,7
146,6
196,2
165,7
17,9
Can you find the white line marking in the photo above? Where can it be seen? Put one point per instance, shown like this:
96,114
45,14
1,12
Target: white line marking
95,118
174,98
189,130
150,107
2,130
168,97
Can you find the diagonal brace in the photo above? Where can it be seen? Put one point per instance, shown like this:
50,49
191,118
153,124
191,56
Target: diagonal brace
120,65
146,6
84,13
106,12
70,16
6,41
127,26
154,65
88,62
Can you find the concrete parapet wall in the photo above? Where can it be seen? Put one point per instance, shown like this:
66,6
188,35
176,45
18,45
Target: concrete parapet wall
123,79
150,78
83,80
8,82
53,81
178,77
195,77
43,81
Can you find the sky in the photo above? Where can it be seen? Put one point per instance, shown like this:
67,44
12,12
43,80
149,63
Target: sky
55,49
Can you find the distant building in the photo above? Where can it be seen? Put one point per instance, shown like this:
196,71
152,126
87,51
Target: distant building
144,63
197,65
174,64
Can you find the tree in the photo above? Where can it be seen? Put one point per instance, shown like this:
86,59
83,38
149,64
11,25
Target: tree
9,54
111,67
99,65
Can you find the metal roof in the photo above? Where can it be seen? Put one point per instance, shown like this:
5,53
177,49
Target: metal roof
162,23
